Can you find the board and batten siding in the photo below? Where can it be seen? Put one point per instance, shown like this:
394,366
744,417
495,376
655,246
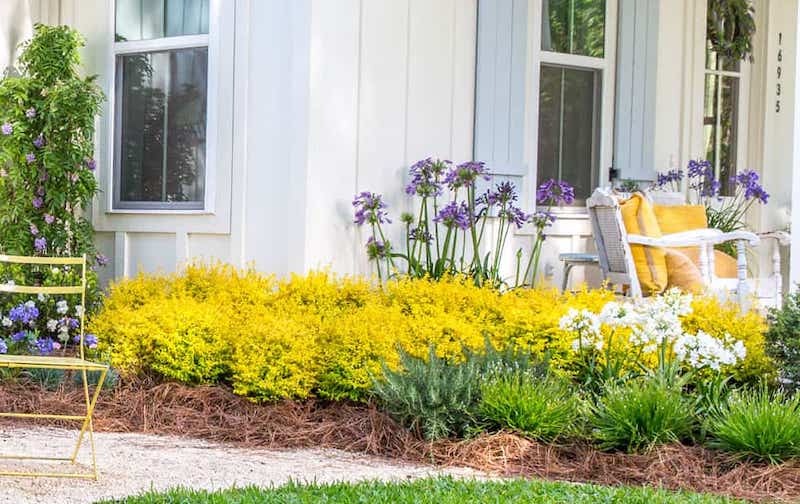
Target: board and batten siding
326,98
392,82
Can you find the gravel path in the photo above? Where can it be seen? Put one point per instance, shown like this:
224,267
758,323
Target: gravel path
131,463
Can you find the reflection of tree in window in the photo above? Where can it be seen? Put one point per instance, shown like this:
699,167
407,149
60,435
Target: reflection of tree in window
720,121
163,130
574,26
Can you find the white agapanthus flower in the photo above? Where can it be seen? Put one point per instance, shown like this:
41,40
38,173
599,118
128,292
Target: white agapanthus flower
41,297
586,325
79,310
52,325
61,307
7,322
616,314
703,350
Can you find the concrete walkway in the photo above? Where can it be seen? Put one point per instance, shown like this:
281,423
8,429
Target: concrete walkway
132,463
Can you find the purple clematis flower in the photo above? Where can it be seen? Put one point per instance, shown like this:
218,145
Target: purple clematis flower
30,157
37,202
40,244
49,219
34,229
7,129
30,113
38,142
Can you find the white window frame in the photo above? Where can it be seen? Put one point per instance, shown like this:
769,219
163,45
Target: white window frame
607,69
743,105
213,42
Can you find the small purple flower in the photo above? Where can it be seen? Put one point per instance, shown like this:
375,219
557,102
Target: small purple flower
19,336
421,235
543,219
370,208
91,164
30,157
38,142
516,216
39,244
37,202
44,176
748,180
34,229
24,313
45,346
101,259
376,249
466,174
454,215
49,219
425,175
89,340
3,346
30,113
555,193
7,129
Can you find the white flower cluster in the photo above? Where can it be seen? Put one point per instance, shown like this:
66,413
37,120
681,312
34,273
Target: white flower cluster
586,325
704,350
654,322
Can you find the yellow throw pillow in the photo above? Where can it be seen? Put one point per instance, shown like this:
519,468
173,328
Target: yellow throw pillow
680,218
682,272
651,265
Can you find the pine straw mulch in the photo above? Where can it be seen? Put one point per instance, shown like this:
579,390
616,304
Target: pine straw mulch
216,414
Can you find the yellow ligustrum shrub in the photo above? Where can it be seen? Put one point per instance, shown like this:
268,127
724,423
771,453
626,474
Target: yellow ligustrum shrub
324,335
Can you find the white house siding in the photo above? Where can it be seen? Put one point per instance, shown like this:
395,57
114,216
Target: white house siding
330,97
392,81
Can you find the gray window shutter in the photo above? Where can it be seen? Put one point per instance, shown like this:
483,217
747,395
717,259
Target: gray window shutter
634,131
500,85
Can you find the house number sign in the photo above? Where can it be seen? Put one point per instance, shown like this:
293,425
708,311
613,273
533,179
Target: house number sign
779,72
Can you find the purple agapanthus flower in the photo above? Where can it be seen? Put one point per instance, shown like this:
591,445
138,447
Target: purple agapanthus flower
30,157
37,202
38,142
34,229
466,174
420,235
40,244
376,249
669,177
89,340
19,336
542,219
748,180
555,193
49,219
24,313
370,208
425,175
700,168
516,216
7,129
3,346
30,113
454,215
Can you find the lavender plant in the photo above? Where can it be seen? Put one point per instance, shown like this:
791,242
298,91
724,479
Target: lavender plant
446,234
47,116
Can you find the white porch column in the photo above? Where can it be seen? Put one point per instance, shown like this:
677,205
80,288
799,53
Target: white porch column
15,26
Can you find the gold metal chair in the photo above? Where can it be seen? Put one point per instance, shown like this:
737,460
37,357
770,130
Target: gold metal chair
78,363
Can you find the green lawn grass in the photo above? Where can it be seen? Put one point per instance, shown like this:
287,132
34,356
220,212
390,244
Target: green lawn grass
427,491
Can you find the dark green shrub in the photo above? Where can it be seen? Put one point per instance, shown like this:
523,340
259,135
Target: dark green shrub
542,408
435,397
48,379
783,339
758,425
640,414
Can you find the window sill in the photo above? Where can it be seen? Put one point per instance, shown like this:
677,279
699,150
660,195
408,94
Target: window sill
157,211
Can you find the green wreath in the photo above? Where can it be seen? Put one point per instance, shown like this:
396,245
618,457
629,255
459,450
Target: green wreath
730,27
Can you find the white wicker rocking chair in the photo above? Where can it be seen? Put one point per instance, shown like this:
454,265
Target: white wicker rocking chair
616,261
